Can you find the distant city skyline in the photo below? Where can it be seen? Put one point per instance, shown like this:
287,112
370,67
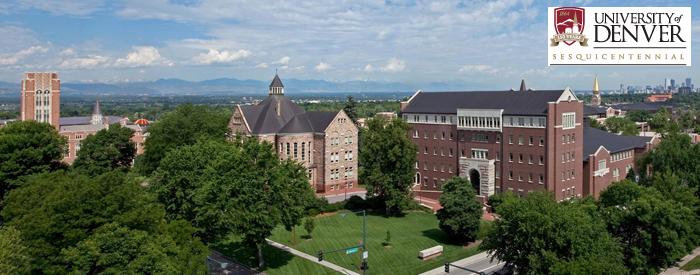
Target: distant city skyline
477,44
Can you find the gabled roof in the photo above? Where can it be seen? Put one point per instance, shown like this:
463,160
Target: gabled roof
512,102
321,120
594,138
263,118
276,82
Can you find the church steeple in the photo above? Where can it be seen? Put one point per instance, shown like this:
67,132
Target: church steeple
276,87
596,100
522,86
96,114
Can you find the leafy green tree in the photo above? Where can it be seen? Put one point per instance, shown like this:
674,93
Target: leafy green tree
674,155
595,124
28,147
106,150
638,116
653,231
99,224
183,126
350,109
240,188
498,199
621,125
387,158
460,215
540,236
309,225
14,257
661,121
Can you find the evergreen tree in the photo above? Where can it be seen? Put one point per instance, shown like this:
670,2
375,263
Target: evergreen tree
350,109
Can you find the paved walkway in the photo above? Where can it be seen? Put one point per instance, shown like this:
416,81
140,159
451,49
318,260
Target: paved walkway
313,259
676,270
220,264
344,196
480,262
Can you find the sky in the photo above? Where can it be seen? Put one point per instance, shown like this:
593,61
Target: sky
480,44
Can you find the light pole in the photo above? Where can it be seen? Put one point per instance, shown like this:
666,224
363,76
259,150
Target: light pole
365,253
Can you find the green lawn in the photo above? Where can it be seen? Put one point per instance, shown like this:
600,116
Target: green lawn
277,261
692,265
409,234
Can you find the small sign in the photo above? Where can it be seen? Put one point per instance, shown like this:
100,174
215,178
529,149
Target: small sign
365,254
351,250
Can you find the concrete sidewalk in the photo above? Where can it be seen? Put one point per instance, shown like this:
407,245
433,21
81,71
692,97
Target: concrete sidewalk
314,259
676,270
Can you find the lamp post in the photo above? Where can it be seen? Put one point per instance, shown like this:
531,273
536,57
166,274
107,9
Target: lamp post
365,253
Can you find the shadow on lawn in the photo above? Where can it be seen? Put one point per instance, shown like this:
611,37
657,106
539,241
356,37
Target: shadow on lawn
436,235
245,254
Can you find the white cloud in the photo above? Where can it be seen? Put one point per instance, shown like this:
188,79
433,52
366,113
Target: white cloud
394,65
13,59
282,61
368,68
322,67
63,7
67,52
142,56
88,62
215,56
478,68
261,65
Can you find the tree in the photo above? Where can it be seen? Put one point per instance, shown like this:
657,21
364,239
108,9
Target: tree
239,188
28,147
674,155
638,116
595,124
106,150
387,158
621,125
350,109
184,126
309,225
99,224
460,215
540,236
14,258
653,231
498,199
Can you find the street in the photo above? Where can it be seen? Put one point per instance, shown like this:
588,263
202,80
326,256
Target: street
480,262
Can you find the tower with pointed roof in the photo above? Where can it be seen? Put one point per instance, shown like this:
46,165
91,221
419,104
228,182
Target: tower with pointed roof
522,86
96,114
276,87
596,100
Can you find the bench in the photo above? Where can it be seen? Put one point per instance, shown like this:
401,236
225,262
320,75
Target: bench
430,252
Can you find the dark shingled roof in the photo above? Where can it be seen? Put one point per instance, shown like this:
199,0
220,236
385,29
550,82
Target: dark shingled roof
321,120
512,102
85,120
263,118
593,138
276,82
593,110
644,106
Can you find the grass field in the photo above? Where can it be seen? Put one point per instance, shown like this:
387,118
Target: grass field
277,261
692,265
409,234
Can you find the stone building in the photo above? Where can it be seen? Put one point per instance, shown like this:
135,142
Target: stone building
325,143
40,100
518,141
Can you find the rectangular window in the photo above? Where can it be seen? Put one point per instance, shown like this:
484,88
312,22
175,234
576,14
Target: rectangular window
415,134
288,150
568,120
541,141
601,164
541,178
521,140
303,151
541,160
532,140
295,150
510,139
480,138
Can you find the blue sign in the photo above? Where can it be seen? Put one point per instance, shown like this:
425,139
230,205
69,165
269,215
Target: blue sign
351,250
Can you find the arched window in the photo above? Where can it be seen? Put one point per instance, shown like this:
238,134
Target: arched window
417,179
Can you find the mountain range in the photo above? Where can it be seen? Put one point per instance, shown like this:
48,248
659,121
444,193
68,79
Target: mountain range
232,86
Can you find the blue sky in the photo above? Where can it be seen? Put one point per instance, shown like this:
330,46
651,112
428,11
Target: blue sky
480,44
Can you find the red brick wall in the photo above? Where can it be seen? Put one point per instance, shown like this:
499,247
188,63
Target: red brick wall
436,163
524,168
555,181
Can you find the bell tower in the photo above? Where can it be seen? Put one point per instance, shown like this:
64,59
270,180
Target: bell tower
40,98
276,87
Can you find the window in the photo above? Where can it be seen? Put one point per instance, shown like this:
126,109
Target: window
510,157
568,120
521,121
521,140
480,153
480,138
443,119
288,150
425,152
541,122
529,178
529,160
601,165
541,160
443,135
541,179
616,173
520,158
303,151
295,150
520,177
532,140
450,152
498,138
510,139
541,141
415,134
510,175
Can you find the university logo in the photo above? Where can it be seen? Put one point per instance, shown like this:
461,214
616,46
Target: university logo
569,23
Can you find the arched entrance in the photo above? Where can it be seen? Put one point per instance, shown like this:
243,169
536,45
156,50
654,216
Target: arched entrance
475,179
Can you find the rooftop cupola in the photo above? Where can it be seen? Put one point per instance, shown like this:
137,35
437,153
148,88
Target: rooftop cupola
276,87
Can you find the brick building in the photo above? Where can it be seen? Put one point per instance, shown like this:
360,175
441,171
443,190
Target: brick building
325,143
519,141
40,100
608,157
